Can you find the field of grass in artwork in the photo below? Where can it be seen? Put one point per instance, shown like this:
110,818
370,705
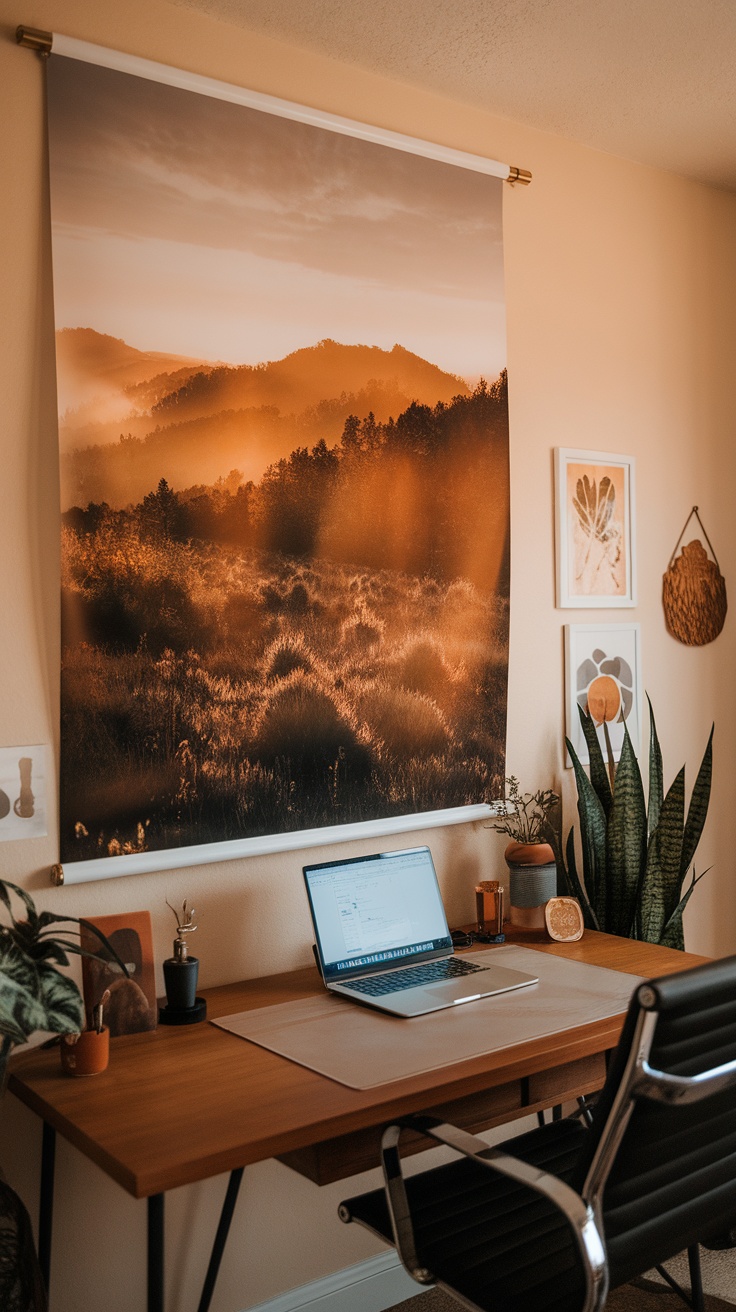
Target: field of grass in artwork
212,692
325,645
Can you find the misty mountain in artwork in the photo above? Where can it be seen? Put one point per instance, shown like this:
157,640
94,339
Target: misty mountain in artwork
201,421
285,592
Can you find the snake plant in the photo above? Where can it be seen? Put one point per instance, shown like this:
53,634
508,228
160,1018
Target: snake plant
635,861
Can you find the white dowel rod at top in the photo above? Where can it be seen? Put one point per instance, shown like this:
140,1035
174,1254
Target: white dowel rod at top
70,47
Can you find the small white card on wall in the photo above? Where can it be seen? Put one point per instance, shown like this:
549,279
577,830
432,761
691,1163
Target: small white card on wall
22,792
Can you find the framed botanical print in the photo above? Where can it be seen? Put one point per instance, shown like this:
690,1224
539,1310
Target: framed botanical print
594,529
603,677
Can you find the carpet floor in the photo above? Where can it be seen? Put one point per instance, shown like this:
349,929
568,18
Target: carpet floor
649,1294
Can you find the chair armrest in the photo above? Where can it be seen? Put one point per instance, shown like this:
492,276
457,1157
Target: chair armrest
576,1212
658,1086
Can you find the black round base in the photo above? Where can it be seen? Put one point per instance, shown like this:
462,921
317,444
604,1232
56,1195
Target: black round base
183,1015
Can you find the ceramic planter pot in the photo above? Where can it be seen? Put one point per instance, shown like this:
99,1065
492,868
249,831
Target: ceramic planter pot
88,1055
532,882
529,854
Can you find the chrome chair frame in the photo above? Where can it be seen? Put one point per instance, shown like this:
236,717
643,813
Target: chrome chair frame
584,1211
578,1213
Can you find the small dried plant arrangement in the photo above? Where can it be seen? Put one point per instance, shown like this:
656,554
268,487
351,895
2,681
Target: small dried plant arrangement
527,817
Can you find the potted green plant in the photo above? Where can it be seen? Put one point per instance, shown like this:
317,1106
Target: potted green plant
635,858
528,821
34,996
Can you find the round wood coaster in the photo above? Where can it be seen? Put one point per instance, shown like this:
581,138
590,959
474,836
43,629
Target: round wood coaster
564,919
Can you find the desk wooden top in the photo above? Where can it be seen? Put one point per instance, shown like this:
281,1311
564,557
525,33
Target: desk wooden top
183,1104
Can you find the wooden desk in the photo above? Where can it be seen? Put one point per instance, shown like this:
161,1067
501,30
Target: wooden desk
180,1105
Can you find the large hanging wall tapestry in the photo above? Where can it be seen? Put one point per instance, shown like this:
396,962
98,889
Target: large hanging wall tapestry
284,471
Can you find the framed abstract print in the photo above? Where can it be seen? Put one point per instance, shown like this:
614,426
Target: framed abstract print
603,677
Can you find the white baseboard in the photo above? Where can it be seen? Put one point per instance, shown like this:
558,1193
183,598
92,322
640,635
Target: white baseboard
370,1286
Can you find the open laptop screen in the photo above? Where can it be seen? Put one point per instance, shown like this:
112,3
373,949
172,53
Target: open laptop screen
376,911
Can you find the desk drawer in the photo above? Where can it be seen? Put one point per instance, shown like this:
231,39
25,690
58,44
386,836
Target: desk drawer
337,1159
349,1154
563,1083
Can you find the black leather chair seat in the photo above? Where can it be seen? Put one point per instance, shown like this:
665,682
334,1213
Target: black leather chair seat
466,1219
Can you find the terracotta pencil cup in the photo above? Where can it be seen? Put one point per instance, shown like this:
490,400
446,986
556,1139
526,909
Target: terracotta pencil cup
89,1055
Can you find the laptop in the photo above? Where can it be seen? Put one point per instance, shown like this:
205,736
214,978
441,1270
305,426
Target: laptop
382,939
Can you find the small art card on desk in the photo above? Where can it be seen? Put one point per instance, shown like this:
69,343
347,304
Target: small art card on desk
132,1005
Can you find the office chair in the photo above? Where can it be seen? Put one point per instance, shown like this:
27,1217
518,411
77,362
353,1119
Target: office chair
551,1220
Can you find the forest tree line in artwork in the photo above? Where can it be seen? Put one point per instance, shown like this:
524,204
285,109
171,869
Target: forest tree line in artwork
323,645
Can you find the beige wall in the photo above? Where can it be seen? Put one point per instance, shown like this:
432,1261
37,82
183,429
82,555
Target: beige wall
621,287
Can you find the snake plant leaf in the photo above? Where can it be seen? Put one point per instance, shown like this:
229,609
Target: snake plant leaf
698,808
62,1001
568,881
656,777
598,772
575,887
673,935
626,843
550,835
593,838
21,1003
660,891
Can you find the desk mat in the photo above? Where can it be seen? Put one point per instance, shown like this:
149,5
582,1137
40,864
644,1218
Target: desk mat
362,1048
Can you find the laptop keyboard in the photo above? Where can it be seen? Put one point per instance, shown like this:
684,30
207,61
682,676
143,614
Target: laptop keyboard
432,972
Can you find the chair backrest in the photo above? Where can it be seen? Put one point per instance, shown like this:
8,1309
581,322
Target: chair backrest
660,1164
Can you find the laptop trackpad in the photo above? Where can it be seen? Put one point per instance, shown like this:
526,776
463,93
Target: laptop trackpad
482,983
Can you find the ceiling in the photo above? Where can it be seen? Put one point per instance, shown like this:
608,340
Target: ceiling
652,80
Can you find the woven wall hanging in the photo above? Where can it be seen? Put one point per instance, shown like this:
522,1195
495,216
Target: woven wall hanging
694,591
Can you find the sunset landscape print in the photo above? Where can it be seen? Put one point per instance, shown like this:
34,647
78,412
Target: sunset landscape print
283,433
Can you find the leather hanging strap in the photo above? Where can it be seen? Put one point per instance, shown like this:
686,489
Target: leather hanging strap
696,513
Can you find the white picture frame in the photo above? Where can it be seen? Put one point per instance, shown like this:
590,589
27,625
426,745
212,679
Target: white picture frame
595,537
608,655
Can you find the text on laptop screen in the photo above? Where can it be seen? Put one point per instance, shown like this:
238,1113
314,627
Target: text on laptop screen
373,911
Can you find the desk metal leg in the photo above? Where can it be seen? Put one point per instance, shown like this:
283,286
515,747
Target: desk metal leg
223,1229
46,1208
156,1253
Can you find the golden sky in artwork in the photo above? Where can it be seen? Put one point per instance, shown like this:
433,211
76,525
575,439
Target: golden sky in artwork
196,226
